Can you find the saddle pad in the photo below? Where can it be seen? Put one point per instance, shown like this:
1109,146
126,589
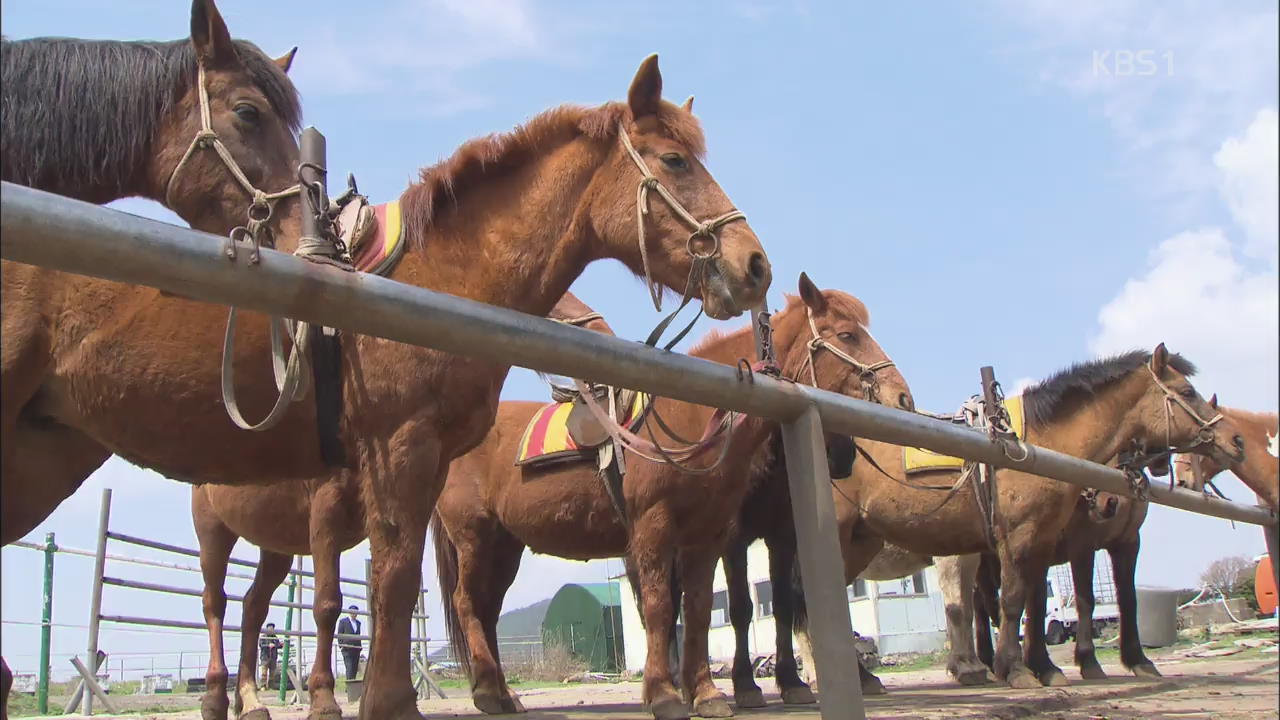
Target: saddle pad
377,253
916,460
547,437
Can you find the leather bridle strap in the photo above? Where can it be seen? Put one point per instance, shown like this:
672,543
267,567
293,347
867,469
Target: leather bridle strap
1205,432
701,228
867,373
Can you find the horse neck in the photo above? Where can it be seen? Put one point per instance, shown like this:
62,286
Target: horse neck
1098,429
517,240
1260,470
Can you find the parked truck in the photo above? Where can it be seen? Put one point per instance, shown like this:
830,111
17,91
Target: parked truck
1061,619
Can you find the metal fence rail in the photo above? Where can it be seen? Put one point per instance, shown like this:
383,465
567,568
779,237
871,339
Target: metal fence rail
55,232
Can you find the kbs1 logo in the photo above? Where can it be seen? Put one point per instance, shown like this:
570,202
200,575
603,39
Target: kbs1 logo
1132,63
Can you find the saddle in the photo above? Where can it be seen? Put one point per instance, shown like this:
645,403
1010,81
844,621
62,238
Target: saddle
566,428
372,234
918,460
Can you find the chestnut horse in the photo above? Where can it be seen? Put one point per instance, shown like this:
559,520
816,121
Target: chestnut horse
102,120
1260,470
491,510
1092,410
321,518
510,220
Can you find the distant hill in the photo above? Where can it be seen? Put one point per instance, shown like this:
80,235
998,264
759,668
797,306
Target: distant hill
524,621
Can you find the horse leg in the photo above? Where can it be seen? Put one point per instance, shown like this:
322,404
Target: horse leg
1035,649
782,559
502,573
215,542
986,605
327,515
1124,563
697,573
272,570
397,514
858,554
1082,579
746,693
1018,573
958,574
44,463
652,556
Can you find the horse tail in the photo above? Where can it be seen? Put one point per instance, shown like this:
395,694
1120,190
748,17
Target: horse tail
326,375
447,574
799,609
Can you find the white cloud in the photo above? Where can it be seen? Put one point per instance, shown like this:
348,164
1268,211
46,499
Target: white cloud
1200,297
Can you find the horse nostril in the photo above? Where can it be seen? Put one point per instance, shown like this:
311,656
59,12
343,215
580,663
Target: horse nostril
758,267
1238,441
905,402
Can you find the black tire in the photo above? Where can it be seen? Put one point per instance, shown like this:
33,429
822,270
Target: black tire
1056,633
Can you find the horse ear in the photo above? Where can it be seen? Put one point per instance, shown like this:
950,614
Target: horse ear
285,61
1213,401
1160,359
645,94
688,105
811,295
209,34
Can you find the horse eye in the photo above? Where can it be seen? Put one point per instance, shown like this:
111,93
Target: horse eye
845,335
674,161
247,112
1188,392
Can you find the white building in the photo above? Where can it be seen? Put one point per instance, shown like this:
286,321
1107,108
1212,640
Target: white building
904,615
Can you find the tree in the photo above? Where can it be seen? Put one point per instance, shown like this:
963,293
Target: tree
1226,575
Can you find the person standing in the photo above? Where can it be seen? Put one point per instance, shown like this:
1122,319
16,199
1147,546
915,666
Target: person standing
349,641
268,649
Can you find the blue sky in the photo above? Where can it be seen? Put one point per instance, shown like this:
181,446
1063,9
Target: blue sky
904,152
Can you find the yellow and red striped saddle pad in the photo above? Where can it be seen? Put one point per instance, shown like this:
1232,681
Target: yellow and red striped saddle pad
916,460
546,438
379,252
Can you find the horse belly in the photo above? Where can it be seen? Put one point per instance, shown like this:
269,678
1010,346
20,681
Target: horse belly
914,522
565,513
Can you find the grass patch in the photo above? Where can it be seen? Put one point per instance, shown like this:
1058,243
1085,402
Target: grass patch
908,662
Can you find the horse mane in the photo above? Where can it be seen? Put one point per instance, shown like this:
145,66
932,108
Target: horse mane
84,113
1260,417
483,158
842,301
1064,390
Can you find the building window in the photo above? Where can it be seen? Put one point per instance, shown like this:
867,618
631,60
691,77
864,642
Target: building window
719,608
764,598
914,585
858,589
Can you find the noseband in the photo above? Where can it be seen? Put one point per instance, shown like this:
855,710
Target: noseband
701,228
1205,433
866,373
263,203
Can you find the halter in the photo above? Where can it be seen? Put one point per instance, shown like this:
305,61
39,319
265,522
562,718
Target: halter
708,228
1133,462
866,373
263,203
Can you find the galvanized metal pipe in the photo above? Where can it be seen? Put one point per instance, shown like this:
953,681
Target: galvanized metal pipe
49,230
179,550
95,601
192,625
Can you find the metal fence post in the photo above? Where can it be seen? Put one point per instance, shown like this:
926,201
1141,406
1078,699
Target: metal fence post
95,601
284,659
821,567
46,625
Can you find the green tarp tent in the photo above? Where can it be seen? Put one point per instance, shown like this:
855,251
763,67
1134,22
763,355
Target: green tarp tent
587,619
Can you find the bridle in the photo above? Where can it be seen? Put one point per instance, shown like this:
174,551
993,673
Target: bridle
701,228
263,203
866,373
1134,461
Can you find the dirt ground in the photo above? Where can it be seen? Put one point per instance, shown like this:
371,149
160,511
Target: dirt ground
1222,689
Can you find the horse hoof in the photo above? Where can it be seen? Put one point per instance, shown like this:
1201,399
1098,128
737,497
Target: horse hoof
1093,671
326,713
713,707
871,685
1023,679
973,677
259,713
497,704
670,709
1054,678
750,698
1145,670
799,695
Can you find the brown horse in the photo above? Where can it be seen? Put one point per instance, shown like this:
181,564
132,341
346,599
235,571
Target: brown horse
491,511
126,114
1092,410
321,518
102,120
510,220
1105,522
1260,470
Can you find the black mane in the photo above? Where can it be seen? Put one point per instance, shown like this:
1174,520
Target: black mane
1064,390
79,116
